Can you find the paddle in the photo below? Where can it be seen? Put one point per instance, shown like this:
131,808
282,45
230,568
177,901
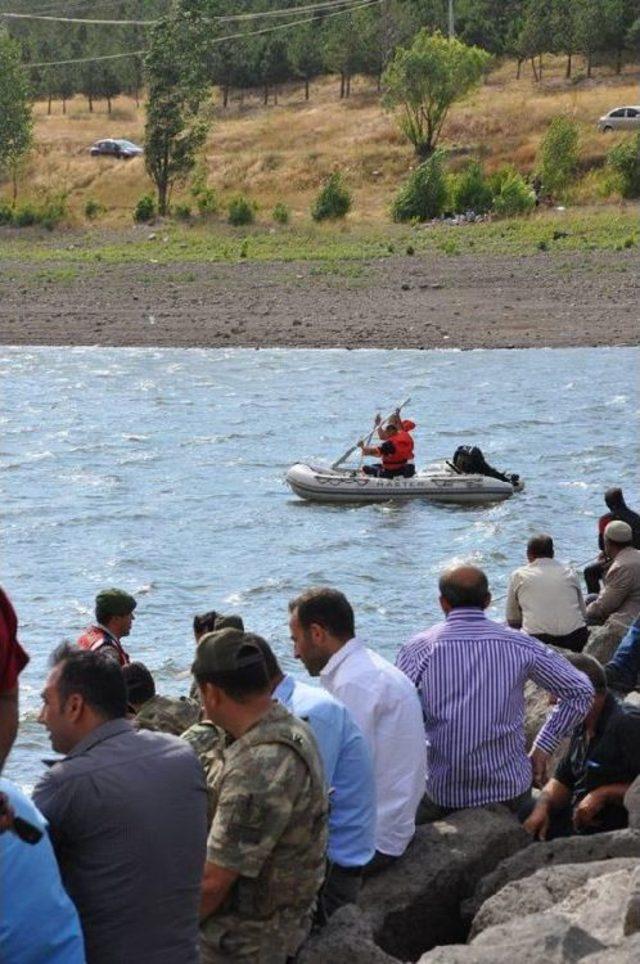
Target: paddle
349,452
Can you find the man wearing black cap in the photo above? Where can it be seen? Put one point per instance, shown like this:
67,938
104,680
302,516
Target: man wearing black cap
266,849
114,618
618,511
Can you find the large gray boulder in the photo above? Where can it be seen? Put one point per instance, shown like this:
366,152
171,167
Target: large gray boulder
628,952
569,850
632,910
346,939
632,803
537,939
415,904
604,640
542,891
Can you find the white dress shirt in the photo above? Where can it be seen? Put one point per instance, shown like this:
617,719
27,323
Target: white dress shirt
385,705
545,597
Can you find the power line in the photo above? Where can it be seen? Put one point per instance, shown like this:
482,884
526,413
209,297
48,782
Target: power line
217,40
280,12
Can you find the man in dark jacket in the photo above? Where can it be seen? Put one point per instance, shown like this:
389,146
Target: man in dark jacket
618,510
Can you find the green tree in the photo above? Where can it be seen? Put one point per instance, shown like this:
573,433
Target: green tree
174,130
16,124
588,29
425,79
305,53
558,156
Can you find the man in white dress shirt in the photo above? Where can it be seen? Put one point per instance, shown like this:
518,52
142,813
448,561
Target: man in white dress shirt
545,599
381,700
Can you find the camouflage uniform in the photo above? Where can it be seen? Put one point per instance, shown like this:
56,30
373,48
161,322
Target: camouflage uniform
208,742
270,826
167,715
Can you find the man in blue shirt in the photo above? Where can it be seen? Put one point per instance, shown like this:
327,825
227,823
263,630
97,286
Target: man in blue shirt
349,774
623,669
38,922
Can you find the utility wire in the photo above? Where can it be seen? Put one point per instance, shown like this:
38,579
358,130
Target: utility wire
280,12
217,40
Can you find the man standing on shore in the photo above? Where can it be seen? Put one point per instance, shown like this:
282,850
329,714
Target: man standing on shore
470,674
127,812
382,702
114,618
266,850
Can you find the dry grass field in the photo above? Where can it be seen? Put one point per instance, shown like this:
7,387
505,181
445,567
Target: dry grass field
284,152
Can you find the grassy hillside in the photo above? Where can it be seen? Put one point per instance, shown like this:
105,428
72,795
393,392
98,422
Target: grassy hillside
283,152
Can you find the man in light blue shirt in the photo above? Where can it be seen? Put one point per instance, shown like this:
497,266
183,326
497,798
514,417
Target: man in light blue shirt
349,774
38,922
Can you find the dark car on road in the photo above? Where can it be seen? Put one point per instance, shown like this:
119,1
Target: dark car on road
113,147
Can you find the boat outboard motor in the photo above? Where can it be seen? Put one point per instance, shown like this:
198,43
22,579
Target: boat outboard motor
469,460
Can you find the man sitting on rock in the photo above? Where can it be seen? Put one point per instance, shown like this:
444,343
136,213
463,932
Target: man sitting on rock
149,711
618,509
623,670
618,603
545,599
587,790
470,674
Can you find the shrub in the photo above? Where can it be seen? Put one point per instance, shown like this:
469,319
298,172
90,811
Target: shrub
558,156
333,201
182,212
425,193
52,211
241,211
624,159
145,209
281,213
25,215
470,190
206,201
515,197
6,213
93,209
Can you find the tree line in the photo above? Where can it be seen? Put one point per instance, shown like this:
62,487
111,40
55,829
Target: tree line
359,42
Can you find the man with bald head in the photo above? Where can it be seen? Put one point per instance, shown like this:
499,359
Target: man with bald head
470,674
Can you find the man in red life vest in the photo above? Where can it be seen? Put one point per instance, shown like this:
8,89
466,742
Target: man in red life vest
114,617
396,450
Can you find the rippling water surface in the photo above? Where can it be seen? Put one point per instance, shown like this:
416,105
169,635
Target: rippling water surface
160,471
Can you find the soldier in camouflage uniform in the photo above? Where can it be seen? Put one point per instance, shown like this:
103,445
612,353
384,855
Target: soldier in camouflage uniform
148,711
266,849
208,742
207,623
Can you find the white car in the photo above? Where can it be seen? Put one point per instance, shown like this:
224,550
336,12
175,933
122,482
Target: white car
621,119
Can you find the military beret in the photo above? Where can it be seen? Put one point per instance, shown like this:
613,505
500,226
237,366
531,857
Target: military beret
115,602
618,531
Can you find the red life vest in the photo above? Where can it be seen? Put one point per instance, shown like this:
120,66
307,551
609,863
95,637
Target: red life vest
96,637
402,450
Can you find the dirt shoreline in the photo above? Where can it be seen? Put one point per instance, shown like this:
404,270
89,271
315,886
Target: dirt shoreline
430,301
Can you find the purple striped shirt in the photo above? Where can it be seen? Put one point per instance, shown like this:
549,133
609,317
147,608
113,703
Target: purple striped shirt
470,675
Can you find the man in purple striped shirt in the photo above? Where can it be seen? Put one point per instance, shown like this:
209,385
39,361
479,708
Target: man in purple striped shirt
470,674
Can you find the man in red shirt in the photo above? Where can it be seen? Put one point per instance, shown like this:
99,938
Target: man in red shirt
13,660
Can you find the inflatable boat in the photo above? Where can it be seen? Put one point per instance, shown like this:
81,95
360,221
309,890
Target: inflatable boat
437,482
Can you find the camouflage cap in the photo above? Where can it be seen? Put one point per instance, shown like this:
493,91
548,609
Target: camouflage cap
115,602
226,653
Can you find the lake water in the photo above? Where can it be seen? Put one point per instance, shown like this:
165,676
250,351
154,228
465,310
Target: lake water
160,471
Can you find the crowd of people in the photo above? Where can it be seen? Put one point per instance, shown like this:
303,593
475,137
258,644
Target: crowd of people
226,824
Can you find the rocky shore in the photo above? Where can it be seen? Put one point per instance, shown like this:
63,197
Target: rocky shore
474,889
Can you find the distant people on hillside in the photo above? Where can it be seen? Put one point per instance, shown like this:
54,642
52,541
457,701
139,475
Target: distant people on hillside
382,702
114,619
618,511
470,674
545,599
265,857
618,602
150,711
586,792
127,817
